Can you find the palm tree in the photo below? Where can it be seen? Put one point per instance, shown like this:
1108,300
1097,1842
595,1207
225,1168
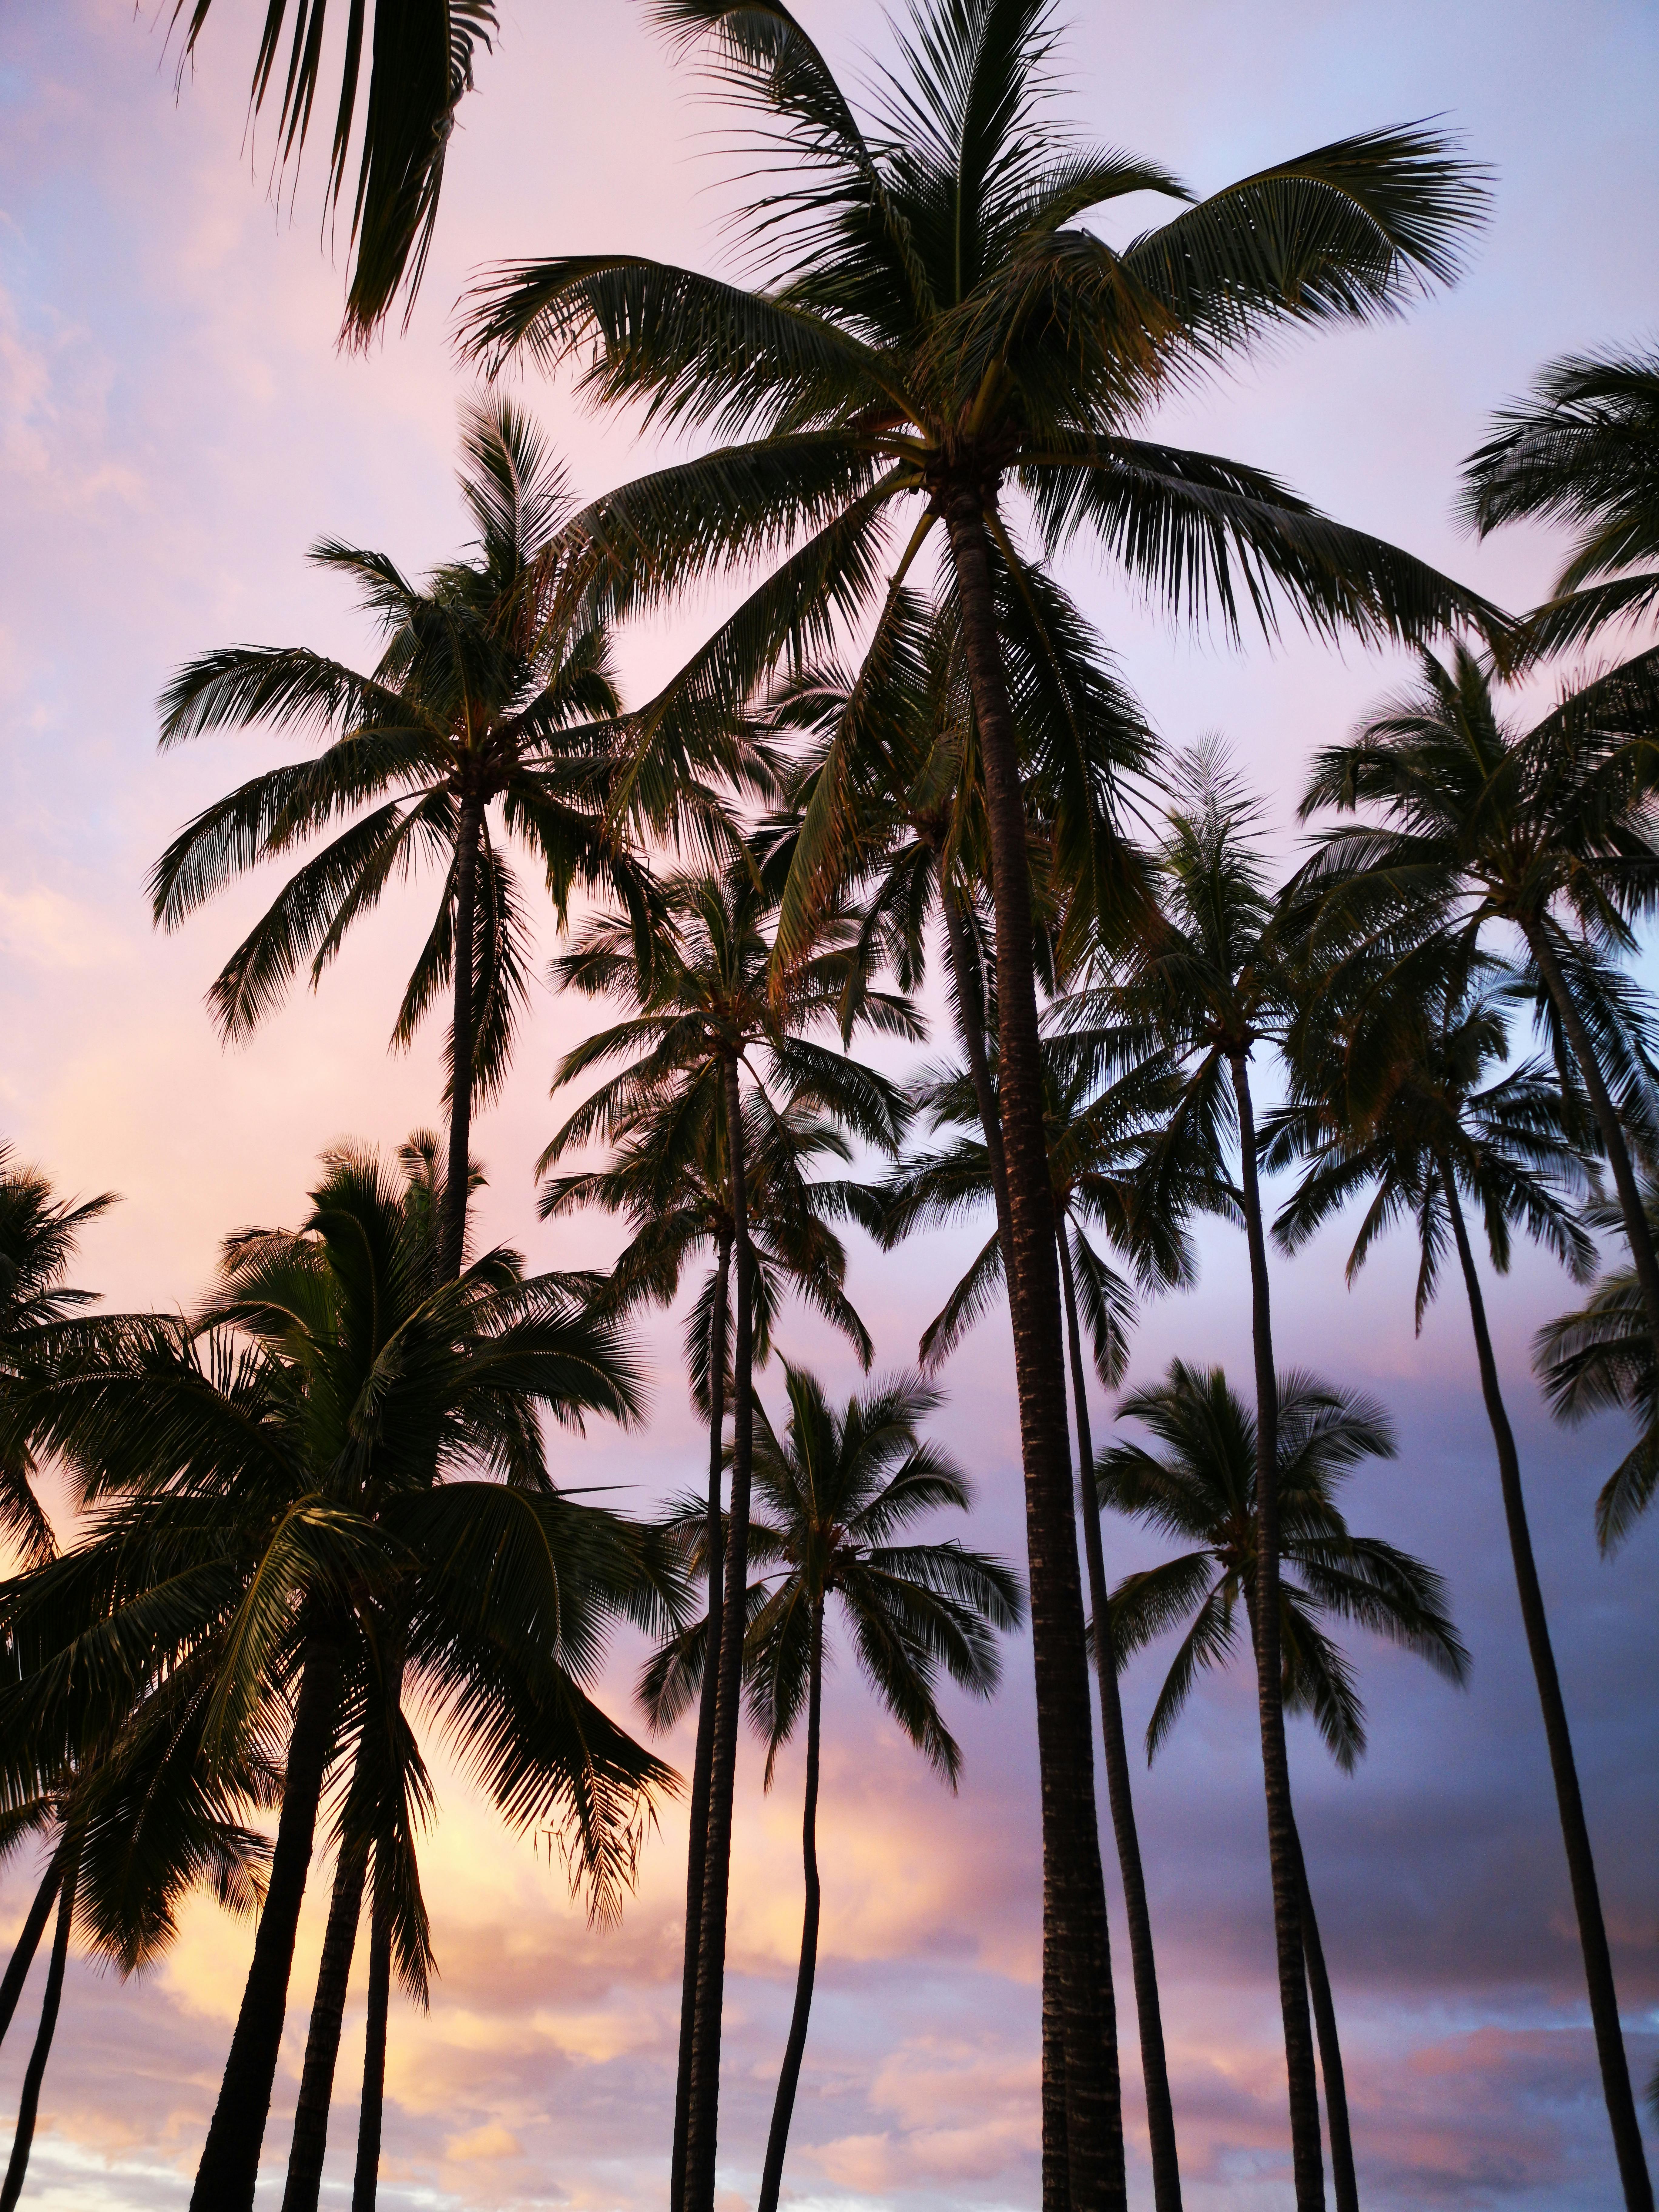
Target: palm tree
670,1176
936,322
1205,981
1097,1135
1549,831
420,69
1582,449
39,1234
837,1491
1200,1489
1603,1355
132,1826
712,1008
1407,1100
334,1442
493,698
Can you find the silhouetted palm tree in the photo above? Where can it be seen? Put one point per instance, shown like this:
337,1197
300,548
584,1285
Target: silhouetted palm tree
836,1493
1200,1489
933,324
1408,1103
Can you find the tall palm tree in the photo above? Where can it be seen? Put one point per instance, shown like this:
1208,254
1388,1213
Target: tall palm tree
713,1009
1550,832
935,324
1097,1135
493,702
1407,1102
837,1491
39,1234
1206,980
334,1441
1200,1489
1584,449
420,68
670,1176
1601,1355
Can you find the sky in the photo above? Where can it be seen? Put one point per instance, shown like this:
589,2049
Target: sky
176,426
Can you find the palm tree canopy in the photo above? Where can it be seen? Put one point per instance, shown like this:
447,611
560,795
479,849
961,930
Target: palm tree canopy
1600,1355
1098,1135
494,700
420,69
334,1437
1582,449
39,1234
1411,1094
1199,1487
835,1493
934,312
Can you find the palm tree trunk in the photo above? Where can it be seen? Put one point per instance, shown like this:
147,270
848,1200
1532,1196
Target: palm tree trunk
454,1242
1611,1130
28,1940
1306,2153
1160,2112
310,2143
702,1757
29,2105
1074,1894
1345,2186
702,2123
230,2158
1056,2167
366,2179
1574,1833
789,2074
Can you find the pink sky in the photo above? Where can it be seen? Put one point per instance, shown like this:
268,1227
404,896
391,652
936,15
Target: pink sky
175,428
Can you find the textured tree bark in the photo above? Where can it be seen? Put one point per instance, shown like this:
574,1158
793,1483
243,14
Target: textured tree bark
702,1757
1306,2151
703,2124
28,1939
454,1243
310,2143
1633,2175
978,1071
1345,2186
230,2157
1637,1232
1073,1888
789,2073
1160,2111
365,2180
29,2106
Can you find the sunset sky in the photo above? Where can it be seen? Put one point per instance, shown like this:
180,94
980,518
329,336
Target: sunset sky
176,426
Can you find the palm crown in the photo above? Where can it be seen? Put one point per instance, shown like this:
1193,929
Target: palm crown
1200,1487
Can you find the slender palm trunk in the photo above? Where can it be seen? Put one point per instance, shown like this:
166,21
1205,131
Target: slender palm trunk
29,2106
789,2074
1160,2112
1612,1129
454,1242
230,2157
1574,1832
1345,2186
702,1757
366,2179
702,2123
310,2144
1056,2170
1306,2153
1074,1896
28,1939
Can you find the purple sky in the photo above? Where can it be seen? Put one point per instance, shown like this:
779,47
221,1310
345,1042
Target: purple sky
175,428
